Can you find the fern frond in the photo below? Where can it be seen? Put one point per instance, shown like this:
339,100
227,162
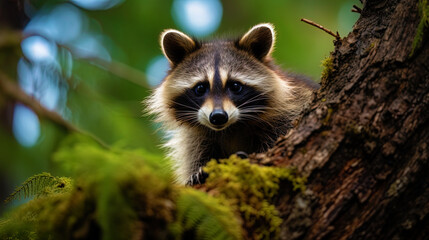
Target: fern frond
205,217
37,185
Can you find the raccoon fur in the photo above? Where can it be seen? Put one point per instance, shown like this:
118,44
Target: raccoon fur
224,96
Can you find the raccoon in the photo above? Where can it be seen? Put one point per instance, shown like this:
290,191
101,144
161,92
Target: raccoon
221,97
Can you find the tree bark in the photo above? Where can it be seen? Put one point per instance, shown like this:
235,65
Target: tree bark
363,143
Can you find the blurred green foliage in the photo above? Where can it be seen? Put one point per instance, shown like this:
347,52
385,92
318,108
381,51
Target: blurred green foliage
115,194
114,189
110,107
127,194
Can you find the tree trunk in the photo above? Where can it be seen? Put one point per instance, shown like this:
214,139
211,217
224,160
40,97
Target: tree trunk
363,144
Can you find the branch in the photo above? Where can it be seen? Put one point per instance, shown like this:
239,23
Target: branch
13,91
337,35
9,38
356,9
121,70
116,68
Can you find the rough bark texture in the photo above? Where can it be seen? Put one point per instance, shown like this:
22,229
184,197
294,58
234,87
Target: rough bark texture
364,142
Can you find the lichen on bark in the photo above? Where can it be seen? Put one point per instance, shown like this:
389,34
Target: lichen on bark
422,27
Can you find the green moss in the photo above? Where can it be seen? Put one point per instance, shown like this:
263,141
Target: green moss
128,194
328,116
113,190
37,219
116,194
370,47
205,217
121,183
328,67
250,189
423,25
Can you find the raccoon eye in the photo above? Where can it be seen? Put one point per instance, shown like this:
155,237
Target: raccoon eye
200,89
235,87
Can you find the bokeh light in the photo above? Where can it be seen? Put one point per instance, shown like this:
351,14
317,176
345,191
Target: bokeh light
62,24
197,17
90,46
39,50
41,82
25,126
56,35
157,70
96,4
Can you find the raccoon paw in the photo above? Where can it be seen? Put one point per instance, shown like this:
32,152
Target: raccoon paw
197,178
242,155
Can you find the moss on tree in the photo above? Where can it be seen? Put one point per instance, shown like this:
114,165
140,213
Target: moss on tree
127,194
328,67
422,27
250,190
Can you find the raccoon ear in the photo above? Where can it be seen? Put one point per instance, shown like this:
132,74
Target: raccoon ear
176,45
259,40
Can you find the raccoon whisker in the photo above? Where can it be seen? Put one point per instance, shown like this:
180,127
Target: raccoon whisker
249,114
250,117
256,107
184,112
187,106
187,117
249,106
257,120
184,116
253,99
264,94
252,112
252,104
190,122
250,100
260,109
193,101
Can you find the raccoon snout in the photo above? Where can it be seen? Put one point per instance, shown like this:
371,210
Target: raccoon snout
218,117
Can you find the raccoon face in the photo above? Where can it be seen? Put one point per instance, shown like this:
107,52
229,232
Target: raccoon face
219,83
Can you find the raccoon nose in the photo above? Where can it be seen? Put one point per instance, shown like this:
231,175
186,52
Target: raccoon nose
218,117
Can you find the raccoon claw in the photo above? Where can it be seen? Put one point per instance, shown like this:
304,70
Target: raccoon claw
197,178
242,155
